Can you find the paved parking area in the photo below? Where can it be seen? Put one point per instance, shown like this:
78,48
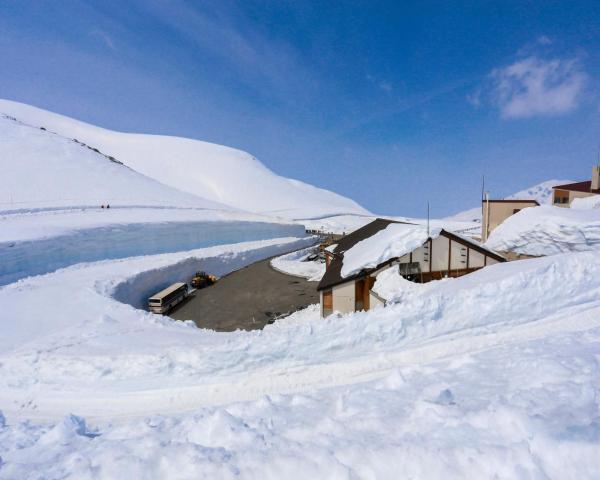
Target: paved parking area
247,299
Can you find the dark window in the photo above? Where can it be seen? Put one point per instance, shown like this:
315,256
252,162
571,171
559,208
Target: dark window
516,210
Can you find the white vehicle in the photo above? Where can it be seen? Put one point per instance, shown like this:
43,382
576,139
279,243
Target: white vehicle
166,299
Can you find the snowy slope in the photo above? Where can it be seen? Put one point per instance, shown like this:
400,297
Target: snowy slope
542,193
121,360
43,170
548,230
491,375
215,172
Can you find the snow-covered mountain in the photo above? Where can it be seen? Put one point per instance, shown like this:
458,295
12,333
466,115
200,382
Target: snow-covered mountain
217,173
42,170
542,193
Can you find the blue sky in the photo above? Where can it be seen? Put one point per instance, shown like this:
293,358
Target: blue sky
391,103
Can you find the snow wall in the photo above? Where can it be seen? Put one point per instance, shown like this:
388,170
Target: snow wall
22,259
136,290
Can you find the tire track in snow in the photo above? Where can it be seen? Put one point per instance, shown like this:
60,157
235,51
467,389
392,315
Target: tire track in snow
270,381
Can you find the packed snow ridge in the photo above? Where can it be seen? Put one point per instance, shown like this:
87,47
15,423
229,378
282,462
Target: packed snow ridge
217,174
548,230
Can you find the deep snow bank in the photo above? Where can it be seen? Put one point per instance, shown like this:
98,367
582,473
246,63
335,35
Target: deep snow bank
220,174
19,259
114,359
524,410
547,230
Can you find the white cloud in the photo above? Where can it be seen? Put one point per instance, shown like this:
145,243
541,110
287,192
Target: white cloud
536,87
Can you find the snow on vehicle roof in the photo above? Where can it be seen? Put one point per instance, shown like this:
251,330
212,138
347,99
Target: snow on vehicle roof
394,241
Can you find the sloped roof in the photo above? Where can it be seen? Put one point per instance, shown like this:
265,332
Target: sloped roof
333,275
578,187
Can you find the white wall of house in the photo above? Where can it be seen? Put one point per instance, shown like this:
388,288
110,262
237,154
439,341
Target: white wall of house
458,256
439,254
344,297
476,259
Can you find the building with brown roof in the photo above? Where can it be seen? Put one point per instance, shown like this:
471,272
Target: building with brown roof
419,253
563,195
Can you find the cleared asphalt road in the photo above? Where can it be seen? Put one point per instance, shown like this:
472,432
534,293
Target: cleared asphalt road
247,299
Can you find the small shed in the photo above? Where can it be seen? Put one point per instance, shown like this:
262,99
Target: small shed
419,253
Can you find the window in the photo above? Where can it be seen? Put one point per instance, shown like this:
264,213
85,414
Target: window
516,210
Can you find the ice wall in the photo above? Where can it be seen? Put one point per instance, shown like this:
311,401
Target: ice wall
23,259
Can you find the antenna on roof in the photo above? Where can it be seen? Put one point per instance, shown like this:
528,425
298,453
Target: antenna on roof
427,219
482,187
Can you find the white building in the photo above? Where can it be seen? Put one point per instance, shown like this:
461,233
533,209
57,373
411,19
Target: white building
419,254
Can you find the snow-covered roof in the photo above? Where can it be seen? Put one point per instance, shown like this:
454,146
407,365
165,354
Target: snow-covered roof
396,240
381,241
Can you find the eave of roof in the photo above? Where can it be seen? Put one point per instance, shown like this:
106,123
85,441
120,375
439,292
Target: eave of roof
585,187
511,201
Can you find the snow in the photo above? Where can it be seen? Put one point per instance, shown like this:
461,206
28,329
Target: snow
394,241
22,258
393,287
43,170
490,375
295,263
547,230
458,382
542,193
344,224
43,224
215,173
586,203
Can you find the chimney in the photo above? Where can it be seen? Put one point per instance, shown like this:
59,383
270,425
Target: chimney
596,177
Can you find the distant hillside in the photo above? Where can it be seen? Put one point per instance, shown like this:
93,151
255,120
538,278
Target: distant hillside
42,170
214,172
542,192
